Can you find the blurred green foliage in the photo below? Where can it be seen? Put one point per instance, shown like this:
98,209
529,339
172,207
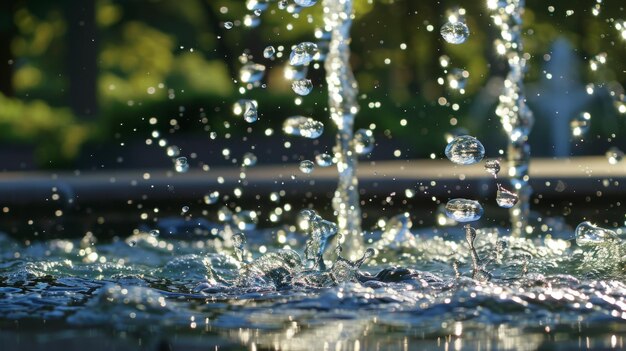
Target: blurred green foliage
156,56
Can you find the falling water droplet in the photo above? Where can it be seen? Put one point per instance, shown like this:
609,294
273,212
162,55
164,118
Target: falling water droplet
614,155
580,124
155,232
181,165
363,141
249,159
239,242
246,108
306,166
465,150
228,25
251,72
302,86
455,33
303,126
132,243
493,167
464,210
211,197
505,198
305,3
269,52
588,234
324,160
184,210
303,53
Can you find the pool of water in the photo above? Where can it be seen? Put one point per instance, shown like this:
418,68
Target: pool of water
419,291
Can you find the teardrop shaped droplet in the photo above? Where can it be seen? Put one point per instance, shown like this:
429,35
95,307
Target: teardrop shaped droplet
588,234
269,52
465,150
303,126
306,166
181,165
505,198
464,210
302,87
493,167
303,53
455,32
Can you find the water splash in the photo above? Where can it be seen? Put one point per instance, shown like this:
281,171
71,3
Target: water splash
342,95
516,118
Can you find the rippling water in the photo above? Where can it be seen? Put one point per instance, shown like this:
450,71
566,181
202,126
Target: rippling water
160,292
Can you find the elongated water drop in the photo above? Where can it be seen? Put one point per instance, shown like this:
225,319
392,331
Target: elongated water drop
588,234
303,126
303,53
181,165
455,32
493,167
302,86
465,150
239,242
324,160
306,166
251,72
305,3
269,52
505,198
247,109
464,210
363,141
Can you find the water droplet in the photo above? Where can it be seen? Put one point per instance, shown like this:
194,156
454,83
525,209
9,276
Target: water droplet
246,108
303,126
455,33
245,220
228,25
303,53
211,197
132,243
282,4
614,155
184,210
239,242
254,5
465,150
302,87
251,21
181,165
269,52
505,198
155,232
363,141
588,234
305,3
249,159
324,160
464,210
172,151
580,124
251,72
306,166
493,167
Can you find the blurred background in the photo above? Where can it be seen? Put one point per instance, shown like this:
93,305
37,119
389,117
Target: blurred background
104,84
